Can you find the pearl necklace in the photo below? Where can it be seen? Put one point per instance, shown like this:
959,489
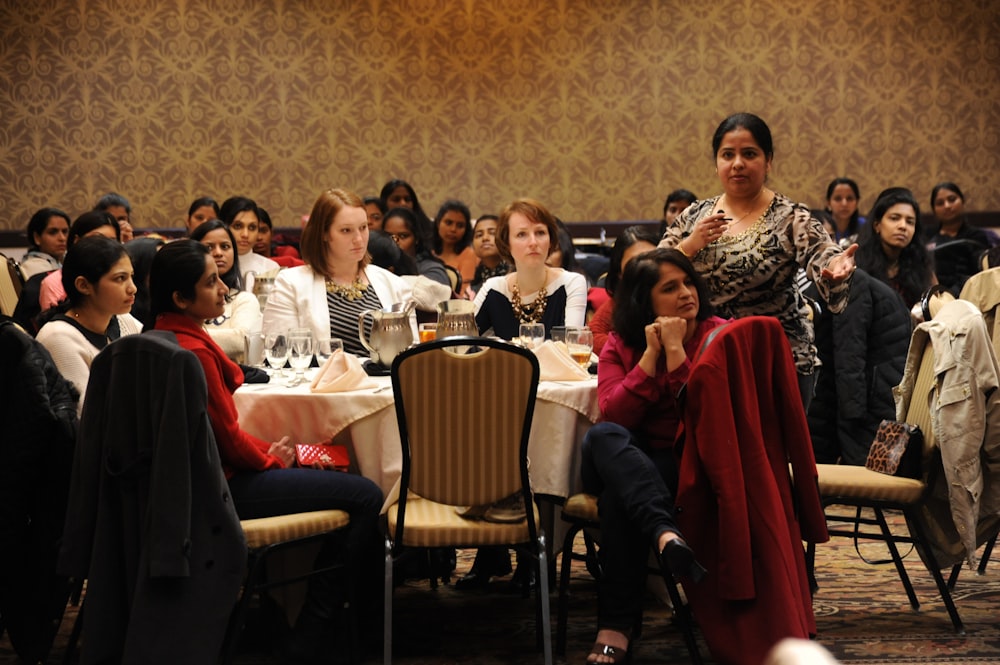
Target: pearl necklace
353,291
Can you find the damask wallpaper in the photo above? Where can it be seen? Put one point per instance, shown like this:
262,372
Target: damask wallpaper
596,107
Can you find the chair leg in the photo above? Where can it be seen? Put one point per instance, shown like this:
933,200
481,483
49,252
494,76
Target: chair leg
920,538
811,568
387,611
987,553
545,625
896,559
236,621
683,613
562,606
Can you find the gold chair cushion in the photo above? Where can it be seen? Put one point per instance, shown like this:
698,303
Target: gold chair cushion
270,530
581,507
430,524
857,482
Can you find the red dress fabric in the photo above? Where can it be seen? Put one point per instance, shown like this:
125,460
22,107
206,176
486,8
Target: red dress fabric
601,323
736,504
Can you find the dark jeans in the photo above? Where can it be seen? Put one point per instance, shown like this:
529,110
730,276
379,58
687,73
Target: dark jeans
635,507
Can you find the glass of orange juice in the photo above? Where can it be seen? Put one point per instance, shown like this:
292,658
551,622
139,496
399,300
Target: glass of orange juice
427,331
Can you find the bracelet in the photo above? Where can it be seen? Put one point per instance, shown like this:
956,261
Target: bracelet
681,250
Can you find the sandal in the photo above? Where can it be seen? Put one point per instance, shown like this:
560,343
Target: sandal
618,655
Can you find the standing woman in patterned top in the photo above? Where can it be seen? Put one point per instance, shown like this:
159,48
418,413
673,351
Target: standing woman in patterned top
749,242
338,281
534,292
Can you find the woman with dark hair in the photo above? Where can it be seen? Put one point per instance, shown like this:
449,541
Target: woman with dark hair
842,199
890,247
375,208
399,194
632,242
414,238
241,315
338,280
200,211
564,253
662,315
749,242
95,222
142,251
97,278
957,244
186,290
484,244
426,293
243,218
48,230
452,240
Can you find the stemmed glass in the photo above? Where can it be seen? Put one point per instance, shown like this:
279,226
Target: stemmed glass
300,352
580,342
326,347
531,335
276,351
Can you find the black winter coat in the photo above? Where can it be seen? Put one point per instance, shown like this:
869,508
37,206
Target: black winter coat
863,351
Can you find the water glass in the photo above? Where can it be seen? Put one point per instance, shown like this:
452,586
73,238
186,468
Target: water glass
580,342
326,347
300,351
531,335
276,350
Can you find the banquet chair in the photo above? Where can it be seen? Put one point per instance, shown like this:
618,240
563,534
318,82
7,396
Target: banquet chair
859,488
469,457
268,536
11,284
580,511
933,300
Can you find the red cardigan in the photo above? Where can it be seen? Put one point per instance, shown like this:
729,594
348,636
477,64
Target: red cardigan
239,450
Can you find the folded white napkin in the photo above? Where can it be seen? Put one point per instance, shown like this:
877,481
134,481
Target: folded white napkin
340,373
554,364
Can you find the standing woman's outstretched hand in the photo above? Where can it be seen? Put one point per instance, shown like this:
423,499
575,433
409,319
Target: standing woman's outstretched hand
841,266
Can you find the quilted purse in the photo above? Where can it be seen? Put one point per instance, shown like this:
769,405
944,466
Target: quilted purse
327,456
896,450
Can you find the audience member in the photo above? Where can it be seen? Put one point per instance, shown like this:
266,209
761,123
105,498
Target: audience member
119,208
957,244
890,249
141,251
563,254
241,316
375,208
749,242
484,244
97,278
337,281
632,242
413,237
676,203
385,253
842,199
200,211
242,217
285,256
452,239
91,223
186,290
662,317
399,194
47,233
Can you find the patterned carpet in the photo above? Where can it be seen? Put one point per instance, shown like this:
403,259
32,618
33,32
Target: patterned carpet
862,614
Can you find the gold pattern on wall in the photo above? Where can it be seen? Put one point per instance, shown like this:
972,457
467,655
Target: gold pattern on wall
596,107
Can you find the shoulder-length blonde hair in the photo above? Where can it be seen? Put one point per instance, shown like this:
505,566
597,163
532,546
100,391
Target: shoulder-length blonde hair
312,244
534,211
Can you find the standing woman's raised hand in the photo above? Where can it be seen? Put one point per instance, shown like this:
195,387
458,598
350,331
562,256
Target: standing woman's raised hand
841,266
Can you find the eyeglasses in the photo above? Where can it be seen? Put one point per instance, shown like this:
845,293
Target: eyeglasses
397,237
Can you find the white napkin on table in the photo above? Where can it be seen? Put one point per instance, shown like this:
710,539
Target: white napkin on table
554,364
340,373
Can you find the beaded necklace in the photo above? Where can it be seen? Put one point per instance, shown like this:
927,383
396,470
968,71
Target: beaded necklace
532,313
353,291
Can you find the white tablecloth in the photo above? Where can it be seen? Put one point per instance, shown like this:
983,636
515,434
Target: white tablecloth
365,420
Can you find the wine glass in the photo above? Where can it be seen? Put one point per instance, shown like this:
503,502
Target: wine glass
531,335
580,342
276,351
326,347
300,352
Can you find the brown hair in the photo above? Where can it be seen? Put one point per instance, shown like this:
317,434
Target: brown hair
312,244
534,211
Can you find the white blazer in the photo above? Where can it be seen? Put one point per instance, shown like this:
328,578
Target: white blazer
299,299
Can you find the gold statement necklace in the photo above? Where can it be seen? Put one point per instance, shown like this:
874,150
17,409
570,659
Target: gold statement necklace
353,291
534,312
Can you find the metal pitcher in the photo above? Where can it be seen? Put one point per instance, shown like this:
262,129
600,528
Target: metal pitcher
261,287
456,318
390,333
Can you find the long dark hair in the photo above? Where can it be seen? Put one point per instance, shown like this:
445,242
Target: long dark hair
38,223
89,221
176,269
626,239
386,254
452,205
418,210
634,297
233,277
916,265
91,258
142,251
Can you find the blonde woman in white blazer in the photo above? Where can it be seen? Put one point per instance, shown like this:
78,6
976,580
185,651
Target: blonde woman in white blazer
338,281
